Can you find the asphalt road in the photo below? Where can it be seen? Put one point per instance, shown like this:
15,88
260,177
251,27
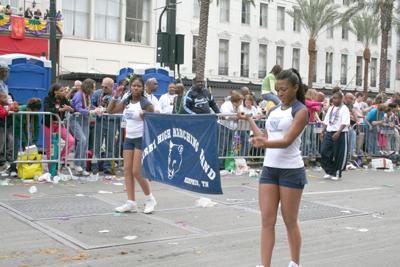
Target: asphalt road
352,222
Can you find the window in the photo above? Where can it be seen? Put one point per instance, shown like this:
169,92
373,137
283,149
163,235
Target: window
281,18
390,38
345,33
223,57
76,14
296,22
106,19
245,12
328,67
224,10
14,6
343,70
194,56
263,15
196,8
279,56
315,68
137,21
359,71
374,62
296,59
262,61
388,74
329,30
244,60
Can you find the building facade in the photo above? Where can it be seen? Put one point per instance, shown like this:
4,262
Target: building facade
244,42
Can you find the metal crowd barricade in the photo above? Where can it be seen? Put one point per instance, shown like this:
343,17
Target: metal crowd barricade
17,139
106,126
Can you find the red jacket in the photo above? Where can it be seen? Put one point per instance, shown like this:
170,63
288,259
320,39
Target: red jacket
4,113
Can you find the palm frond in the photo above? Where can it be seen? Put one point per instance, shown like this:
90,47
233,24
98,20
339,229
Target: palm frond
366,27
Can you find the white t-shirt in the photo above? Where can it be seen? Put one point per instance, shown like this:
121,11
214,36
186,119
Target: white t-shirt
278,123
227,107
359,111
154,101
134,124
246,110
167,103
344,118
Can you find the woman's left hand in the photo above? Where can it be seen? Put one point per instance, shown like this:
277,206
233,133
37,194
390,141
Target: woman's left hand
242,115
258,141
141,114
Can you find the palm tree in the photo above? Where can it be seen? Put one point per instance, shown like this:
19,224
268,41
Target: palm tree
203,31
366,27
386,10
314,16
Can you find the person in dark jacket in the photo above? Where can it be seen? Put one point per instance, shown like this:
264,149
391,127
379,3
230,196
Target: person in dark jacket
198,100
55,102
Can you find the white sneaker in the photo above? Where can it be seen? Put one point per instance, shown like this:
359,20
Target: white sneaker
353,154
328,176
130,206
391,152
77,168
84,173
13,174
293,264
150,206
335,178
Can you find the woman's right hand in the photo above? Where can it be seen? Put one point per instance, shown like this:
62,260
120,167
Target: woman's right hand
241,115
119,91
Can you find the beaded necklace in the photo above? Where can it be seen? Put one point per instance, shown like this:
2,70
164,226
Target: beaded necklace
236,109
336,115
87,101
178,108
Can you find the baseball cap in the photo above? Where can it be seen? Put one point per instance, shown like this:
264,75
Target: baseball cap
3,65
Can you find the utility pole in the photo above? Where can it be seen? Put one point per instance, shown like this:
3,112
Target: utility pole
53,40
171,29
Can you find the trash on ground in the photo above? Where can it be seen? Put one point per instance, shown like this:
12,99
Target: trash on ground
224,172
387,185
254,173
5,182
382,163
389,170
205,202
104,192
18,195
375,216
350,167
46,177
345,211
241,166
64,218
118,183
104,231
183,224
56,179
33,189
79,195
91,178
304,196
363,230
130,237
312,176
120,215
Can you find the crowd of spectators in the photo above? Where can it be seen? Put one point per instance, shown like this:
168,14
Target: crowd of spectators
28,13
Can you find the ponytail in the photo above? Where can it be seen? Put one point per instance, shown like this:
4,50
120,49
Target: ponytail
293,76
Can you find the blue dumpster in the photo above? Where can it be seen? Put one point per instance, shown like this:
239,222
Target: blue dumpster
163,76
29,76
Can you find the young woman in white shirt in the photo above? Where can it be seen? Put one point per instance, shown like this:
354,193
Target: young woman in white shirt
283,176
133,108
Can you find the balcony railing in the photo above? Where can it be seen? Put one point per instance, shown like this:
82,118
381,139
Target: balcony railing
328,79
373,83
343,80
244,71
194,66
358,81
262,74
222,70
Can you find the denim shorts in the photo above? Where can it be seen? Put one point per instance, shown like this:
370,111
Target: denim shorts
132,144
293,178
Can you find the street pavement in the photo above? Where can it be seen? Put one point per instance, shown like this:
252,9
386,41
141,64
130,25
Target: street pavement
352,222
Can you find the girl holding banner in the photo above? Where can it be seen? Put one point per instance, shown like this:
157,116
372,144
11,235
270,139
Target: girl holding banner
133,107
283,176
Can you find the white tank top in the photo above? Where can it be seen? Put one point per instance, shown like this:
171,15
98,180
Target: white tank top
134,124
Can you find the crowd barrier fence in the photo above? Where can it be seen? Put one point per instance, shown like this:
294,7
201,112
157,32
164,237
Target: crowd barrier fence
103,136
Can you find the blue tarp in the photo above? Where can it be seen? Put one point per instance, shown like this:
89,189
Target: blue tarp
181,150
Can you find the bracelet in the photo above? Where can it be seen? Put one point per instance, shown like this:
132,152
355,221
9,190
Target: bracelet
91,113
114,99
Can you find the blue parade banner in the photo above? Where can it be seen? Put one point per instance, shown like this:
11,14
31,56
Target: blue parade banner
181,150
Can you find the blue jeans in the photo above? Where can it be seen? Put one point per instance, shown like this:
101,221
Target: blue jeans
79,126
224,139
372,140
271,97
105,129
